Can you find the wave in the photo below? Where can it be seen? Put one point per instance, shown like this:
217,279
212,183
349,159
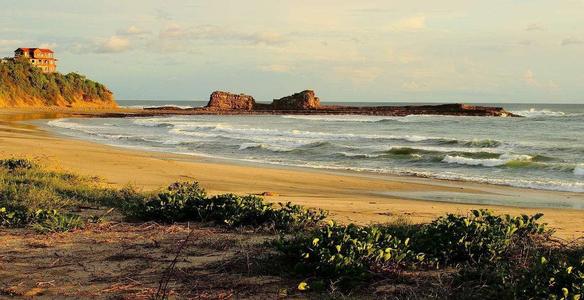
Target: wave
488,162
157,106
534,113
357,155
66,124
579,170
181,126
341,118
554,185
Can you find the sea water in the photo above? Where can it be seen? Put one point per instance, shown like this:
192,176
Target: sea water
543,150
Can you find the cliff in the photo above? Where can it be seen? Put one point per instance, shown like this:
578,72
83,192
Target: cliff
23,85
228,101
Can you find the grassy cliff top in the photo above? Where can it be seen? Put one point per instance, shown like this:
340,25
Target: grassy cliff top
24,85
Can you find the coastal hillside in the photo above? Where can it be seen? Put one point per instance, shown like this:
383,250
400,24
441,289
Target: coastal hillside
24,85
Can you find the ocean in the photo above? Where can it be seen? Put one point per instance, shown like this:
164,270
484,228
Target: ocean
544,150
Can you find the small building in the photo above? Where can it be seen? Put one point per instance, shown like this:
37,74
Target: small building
39,57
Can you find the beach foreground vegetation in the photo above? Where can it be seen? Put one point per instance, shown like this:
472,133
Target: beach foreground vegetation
478,255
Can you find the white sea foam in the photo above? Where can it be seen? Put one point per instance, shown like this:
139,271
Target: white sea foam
532,113
486,162
157,106
579,170
339,118
271,147
359,155
222,136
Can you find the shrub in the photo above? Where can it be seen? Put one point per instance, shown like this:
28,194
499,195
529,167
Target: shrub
557,278
347,253
53,221
189,202
42,220
477,238
13,216
475,243
13,164
180,202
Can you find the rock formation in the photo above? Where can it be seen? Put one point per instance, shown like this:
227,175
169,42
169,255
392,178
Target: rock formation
306,103
305,100
228,101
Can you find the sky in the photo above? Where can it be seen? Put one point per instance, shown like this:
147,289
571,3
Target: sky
359,50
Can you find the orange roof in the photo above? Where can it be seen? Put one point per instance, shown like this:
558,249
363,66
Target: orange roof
34,49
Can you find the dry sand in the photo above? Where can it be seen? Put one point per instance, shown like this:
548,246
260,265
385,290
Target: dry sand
348,196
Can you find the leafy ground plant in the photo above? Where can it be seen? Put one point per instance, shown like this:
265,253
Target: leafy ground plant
477,238
346,254
43,221
189,202
473,244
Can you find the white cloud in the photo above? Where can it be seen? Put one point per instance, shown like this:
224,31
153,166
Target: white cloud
414,86
133,31
401,57
534,27
173,31
572,41
48,45
215,33
414,23
359,75
9,46
113,44
530,79
276,68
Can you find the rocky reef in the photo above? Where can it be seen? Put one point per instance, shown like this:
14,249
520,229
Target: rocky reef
228,101
299,101
306,102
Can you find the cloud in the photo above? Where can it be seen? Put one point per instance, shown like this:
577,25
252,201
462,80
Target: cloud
48,45
113,44
175,31
266,37
359,75
414,23
530,79
276,68
534,27
133,31
414,86
572,41
401,57
9,46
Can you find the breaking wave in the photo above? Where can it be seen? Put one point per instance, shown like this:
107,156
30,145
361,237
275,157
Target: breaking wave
579,170
488,162
501,151
534,113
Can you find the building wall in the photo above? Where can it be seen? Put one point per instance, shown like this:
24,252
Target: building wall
41,59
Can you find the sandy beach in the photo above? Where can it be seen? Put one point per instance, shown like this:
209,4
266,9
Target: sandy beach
350,197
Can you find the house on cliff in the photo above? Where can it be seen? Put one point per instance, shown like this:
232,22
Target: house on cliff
39,57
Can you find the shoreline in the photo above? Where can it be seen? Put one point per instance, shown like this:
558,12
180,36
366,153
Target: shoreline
350,196
409,177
